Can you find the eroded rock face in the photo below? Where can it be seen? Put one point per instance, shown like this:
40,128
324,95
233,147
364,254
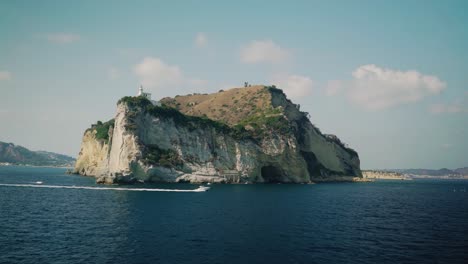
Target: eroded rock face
160,144
93,156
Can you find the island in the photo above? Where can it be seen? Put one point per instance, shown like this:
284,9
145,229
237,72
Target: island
251,134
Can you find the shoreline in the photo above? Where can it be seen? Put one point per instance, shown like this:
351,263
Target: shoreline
35,166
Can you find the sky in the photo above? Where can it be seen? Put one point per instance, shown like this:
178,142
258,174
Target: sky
389,78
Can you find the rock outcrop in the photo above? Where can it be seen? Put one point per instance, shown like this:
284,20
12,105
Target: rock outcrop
242,135
384,175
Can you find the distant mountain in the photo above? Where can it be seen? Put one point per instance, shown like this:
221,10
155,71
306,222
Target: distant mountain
14,154
428,172
439,172
463,171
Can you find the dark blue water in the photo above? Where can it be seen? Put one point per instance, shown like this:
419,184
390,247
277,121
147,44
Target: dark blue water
419,221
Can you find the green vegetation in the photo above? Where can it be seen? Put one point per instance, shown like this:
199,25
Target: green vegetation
102,129
191,122
163,157
269,120
274,89
135,101
260,121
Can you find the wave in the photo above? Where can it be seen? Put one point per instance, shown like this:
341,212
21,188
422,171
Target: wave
199,189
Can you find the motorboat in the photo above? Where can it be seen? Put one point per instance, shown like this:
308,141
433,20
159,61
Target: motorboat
202,188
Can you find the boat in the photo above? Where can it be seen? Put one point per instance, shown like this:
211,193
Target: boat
202,188
38,182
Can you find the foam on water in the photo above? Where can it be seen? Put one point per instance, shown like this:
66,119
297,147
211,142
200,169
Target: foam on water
199,189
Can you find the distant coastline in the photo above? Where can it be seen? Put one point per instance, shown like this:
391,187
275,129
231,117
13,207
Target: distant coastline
384,175
411,174
6,164
11,154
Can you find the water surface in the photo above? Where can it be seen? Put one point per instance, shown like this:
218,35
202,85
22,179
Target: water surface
421,221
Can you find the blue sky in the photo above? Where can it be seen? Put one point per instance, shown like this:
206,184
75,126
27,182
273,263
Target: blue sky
388,77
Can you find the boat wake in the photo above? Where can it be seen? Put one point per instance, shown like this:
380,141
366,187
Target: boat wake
199,189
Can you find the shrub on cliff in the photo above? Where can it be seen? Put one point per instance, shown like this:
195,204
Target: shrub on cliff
102,129
163,157
135,101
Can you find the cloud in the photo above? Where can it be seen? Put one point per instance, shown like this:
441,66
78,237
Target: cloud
458,106
155,73
333,88
264,51
5,75
201,40
295,86
63,38
376,88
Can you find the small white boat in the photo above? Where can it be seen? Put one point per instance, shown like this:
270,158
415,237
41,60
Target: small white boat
38,182
202,188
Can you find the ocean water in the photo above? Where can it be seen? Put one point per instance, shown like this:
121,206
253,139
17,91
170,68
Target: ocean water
421,221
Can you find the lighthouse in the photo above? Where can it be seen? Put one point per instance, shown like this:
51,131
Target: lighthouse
147,96
141,93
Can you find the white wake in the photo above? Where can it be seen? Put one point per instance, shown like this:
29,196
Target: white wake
199,189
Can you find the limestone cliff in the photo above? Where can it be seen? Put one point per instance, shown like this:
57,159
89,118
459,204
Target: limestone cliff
384,175
241,135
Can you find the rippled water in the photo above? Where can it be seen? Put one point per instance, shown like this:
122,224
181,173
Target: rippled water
418,221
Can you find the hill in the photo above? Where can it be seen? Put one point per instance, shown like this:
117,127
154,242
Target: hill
18,155
462,171
230,107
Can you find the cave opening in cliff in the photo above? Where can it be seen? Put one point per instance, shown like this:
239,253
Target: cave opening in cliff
272,174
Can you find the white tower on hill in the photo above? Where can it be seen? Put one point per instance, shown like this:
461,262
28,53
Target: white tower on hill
147,96
141,93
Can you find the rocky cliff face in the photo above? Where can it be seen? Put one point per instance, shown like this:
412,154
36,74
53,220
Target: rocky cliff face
241,135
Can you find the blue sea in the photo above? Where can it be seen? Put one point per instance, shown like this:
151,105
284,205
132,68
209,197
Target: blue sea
420,221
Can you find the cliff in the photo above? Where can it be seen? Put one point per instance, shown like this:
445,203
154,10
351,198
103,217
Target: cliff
384,175
242,135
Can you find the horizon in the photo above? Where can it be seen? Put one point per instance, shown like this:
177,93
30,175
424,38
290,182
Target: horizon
393,89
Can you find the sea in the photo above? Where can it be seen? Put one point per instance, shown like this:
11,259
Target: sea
47,216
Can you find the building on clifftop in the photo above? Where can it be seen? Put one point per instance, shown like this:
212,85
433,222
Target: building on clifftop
147,96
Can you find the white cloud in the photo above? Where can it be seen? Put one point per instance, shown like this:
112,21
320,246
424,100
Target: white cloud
259,51
458,106
333,88
5,75
154,73
63,38
377,88
201,40
295,86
